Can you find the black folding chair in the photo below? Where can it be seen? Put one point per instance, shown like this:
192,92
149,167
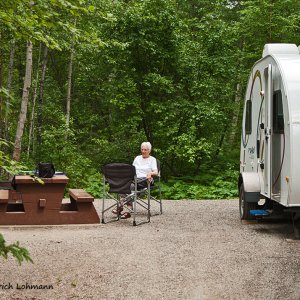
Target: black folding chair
122,189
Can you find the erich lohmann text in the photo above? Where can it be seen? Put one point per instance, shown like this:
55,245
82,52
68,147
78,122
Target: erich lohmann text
25,286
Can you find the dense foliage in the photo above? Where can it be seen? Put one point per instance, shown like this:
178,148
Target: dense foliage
108,75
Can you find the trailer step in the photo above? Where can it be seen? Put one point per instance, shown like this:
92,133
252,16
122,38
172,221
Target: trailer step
259,213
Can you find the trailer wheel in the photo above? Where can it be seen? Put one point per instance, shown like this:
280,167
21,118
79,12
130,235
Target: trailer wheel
244,206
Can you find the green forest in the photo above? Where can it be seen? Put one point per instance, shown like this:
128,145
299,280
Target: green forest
84,82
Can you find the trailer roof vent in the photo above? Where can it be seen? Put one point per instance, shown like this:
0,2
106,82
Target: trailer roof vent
280,49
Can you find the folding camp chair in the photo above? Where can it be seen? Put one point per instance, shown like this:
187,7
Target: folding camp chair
120,177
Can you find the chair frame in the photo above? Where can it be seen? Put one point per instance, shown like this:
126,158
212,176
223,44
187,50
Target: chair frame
147,191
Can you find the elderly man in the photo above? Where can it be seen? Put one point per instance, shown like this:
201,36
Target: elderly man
145,164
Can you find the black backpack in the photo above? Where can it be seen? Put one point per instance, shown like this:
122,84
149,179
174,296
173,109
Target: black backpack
45,170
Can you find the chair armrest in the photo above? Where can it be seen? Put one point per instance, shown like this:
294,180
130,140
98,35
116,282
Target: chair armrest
141,180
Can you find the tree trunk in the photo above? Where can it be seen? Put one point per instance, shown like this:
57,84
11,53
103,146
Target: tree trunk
40,102
32,119
68,105
24,103
8,87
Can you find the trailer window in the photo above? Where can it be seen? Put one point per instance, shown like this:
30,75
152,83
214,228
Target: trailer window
278,120
248,120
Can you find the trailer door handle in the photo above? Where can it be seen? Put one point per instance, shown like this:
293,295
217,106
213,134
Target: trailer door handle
261,164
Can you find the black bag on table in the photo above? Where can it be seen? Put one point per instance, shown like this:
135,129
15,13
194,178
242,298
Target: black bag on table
45,170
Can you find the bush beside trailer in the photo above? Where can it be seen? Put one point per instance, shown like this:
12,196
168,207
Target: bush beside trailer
270,139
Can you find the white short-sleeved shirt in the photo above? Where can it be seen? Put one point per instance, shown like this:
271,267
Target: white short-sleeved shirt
144,165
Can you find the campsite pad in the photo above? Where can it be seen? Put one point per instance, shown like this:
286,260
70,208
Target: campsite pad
195,250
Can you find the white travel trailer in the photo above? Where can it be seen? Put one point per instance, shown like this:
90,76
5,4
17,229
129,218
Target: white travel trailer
270,142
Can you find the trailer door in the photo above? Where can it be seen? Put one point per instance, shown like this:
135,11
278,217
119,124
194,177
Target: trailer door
267,129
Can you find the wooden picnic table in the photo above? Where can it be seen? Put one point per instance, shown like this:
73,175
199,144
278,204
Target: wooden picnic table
33,203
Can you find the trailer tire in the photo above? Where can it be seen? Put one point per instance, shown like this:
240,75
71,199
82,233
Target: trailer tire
244,206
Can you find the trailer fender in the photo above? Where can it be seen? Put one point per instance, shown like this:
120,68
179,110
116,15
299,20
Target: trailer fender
251,186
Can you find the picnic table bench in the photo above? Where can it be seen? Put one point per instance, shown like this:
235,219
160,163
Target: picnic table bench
33,203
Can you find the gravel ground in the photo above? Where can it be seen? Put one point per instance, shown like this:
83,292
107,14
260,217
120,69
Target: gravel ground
195,250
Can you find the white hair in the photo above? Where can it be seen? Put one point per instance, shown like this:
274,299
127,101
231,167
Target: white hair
146,145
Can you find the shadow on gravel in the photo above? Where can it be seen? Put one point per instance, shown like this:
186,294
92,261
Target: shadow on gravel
276,225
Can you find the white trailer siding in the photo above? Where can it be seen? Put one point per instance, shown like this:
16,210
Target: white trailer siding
290,69
278,162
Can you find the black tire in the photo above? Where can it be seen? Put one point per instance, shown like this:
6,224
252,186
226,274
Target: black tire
244,206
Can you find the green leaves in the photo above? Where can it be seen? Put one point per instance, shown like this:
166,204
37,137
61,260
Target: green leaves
212,183
6,163
20,253
45,21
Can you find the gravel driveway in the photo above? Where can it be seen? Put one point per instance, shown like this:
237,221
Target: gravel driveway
195,250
